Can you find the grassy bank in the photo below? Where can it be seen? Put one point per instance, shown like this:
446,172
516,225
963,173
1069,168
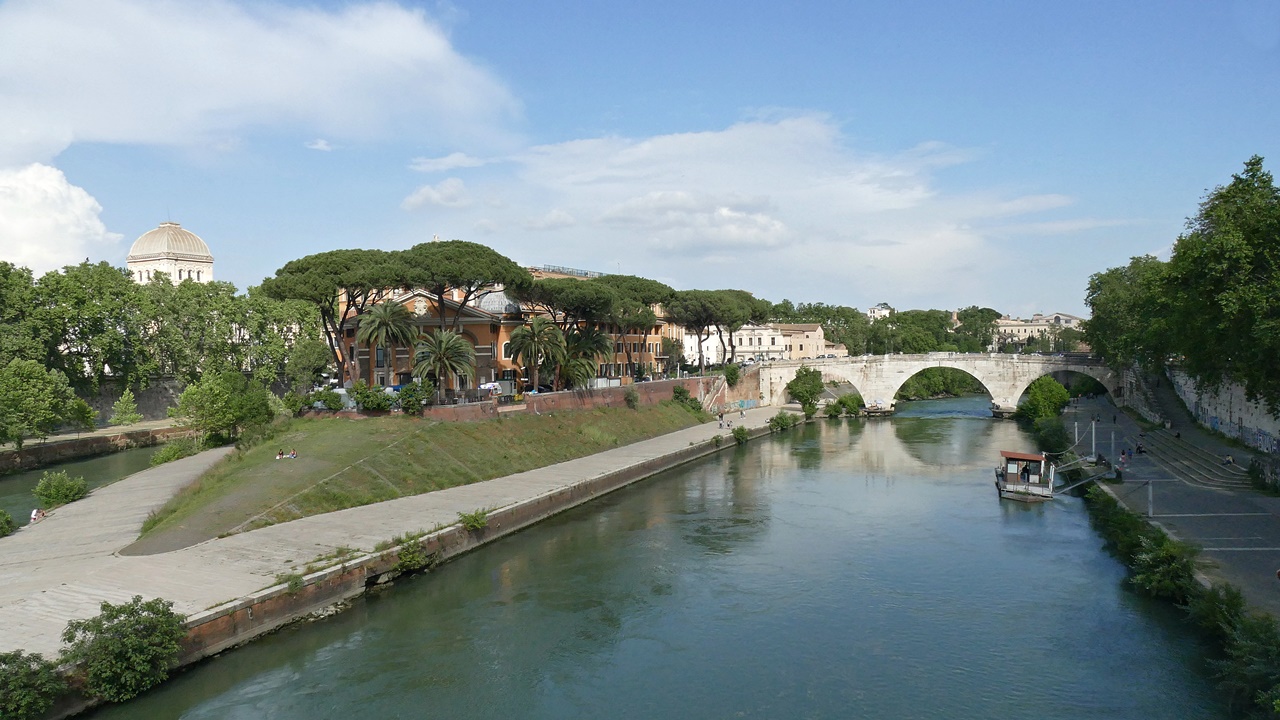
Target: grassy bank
345,463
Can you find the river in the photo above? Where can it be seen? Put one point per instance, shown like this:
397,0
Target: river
16,490
847,569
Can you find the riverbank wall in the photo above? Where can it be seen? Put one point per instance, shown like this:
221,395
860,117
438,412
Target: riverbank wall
1228,410
41,454
325,590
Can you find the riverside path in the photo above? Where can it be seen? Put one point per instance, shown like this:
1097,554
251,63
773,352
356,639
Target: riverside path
63,567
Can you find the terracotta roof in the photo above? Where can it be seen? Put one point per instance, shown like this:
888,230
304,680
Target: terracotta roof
1020,456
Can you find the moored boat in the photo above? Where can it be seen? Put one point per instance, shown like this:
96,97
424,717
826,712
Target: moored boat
1025,477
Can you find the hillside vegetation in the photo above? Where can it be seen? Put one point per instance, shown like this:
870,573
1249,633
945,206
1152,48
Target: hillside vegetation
345,463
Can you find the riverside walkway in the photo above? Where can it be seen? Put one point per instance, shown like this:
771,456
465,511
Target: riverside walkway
1237,529
63,567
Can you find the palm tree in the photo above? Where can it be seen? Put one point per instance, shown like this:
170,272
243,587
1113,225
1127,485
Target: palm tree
584,346
385,325
539,341
444,353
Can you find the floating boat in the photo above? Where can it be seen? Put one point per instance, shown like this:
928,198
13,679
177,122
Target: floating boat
1025,477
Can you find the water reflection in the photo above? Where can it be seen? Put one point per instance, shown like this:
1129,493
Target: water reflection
788,579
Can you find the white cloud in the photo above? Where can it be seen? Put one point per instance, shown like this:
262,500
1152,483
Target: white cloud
785,207
320,144
553,220
448,193
46,222
157,72
452,161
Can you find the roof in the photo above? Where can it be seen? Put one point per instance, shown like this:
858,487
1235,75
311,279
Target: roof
797,327
1020,456
169,240
499,304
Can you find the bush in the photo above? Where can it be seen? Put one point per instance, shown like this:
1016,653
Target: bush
370,399
28,685
474,521
740,435
127,648
411,557
224,404
414,395
294,402
833,409
125,410
1051,435
1044,398
175,449
7,526
732,374
632,398
1164,568
806,386
681,395
783,421
330,399
1217,611
810,409
59,488
851,402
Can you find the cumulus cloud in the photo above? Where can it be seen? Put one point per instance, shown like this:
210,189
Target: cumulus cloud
46,222
320,144
785,206
158,72
448,193
451,161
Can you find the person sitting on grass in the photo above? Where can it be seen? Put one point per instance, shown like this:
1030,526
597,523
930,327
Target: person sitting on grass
280,455
293,454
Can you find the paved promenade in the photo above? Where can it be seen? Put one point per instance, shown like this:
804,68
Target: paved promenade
1238,530
64,566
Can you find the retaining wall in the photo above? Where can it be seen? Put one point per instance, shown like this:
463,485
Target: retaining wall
34,456
1229,410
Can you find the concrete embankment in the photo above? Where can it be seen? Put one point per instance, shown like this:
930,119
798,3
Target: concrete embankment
100,442
235,588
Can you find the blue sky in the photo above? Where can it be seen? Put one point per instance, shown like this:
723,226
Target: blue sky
922,154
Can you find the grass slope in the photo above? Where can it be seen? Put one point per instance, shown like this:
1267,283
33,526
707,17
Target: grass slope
346,463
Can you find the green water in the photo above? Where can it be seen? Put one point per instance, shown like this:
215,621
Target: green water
15,489
844,570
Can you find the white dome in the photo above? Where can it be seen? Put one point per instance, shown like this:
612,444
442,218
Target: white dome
170,241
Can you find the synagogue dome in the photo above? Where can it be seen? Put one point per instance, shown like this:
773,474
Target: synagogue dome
169,241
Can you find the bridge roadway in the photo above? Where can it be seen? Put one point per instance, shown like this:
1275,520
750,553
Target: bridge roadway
878,377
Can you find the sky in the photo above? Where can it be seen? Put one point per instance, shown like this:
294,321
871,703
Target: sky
926,154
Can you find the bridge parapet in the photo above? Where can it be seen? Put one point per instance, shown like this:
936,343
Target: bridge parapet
879,377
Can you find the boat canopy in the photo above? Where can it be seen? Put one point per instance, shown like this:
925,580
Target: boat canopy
1007,455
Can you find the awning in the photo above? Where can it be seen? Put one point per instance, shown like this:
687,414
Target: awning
1020,456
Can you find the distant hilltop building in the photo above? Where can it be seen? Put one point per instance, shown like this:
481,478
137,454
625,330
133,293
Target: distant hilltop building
169,249
1019,331
879,311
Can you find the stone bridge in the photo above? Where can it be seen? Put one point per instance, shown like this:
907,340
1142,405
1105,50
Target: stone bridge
878,377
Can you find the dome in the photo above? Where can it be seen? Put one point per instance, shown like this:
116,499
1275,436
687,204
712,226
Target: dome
170,241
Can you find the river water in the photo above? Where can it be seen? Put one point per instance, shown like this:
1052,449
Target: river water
848,569
16,490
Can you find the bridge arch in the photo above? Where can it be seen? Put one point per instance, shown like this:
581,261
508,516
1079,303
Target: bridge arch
879,377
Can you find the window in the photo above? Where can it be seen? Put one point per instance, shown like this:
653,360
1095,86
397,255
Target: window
381,360
197,275
506,351
773,341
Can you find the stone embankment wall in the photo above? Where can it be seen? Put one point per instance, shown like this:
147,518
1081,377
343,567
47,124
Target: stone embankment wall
39,455
1228,410
242,620
153,402
1137,395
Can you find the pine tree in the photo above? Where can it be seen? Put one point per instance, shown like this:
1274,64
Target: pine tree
125,410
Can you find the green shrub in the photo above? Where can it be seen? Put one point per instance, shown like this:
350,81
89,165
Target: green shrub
1051,435
475,521
806,386
413,396
127,648
370,399
1164,568
717,440
59,488
1250,669
175,449
294,402
28,685
851,402
632,398
732,374
681,395
330,399
1043,398
782,421
411,557
740,435
7,526
833,409
810,409
292,581
1217,611
125,410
